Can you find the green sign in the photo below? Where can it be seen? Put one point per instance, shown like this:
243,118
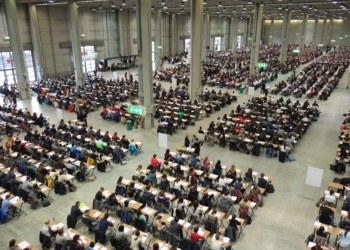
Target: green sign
82,35
160,47
6,38
332,41
262,65
320,45
136,110
296,50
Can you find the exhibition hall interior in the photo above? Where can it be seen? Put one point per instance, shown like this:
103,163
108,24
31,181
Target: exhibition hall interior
158,124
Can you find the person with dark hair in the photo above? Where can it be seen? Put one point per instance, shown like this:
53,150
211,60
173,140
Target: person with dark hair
75,243
100,235
175,227
344,239
320,232
196,237
75,211
12,245
120,235
155,246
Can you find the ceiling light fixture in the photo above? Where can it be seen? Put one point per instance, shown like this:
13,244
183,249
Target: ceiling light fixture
100,8
121,7
220,5
134,7
279,7
163,2
113,9
250,2
93,8
244,8
113,6
262,4
305,6
205,2
123,3
234,10
182,4
165,7
224,9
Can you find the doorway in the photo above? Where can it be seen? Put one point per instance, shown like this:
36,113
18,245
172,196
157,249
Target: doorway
217,43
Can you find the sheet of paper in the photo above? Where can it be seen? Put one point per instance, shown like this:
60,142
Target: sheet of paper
143,238
187,225
255,173
97,247
132,202
325,228
84,208
97,214
23,244
146,209
160,244
226,240
54,227
60,225
126,230
181,222
326,192
164,248
201,233
170,219
253,204
150,212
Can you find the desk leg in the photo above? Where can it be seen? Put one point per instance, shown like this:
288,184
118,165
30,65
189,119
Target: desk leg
48,196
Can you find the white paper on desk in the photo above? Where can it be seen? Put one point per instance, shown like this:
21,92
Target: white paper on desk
201,233
181,222
96,247
60,225
70,176
213,176
14,200
54,227
132,202
234,198
164,248
170,219
84,208
252,204
143,238
154,192
123,199
23,178
343,213
23,244
126,230
43,189
226,240
160,244
325,228
337,195
317,224
326,192
217,215
146,209
266,178
150,212
47,167
65,234
18,175
97,214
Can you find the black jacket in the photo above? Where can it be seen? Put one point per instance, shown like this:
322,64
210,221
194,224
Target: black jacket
75,212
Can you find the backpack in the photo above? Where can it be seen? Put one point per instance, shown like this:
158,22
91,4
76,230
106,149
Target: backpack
270,188
72,188
310,238
249,220
319,201
253,198
291,158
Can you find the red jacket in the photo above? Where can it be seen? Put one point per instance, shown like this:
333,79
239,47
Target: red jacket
195,237
155,162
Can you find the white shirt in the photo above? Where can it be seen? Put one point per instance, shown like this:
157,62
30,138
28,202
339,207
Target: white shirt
222,183
45,230
216,244
330,198
177,185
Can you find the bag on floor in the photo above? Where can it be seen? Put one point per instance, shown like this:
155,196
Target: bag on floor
291,158
310,238
46,204
72,188
249,220
320,201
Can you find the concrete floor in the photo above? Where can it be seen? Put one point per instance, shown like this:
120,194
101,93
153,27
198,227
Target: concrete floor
288,215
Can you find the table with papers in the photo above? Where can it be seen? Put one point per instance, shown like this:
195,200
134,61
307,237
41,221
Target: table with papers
145,238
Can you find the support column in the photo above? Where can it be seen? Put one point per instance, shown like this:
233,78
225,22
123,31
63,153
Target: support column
174,34
314,38
323,31
158,38
248,32
285,32
271,31
76,44
303,33
224,43
206,35
35,35
206,32
144,58
17,48
256,37
233,33
124,32
329,32
196,51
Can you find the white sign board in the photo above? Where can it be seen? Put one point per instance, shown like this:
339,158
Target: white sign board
115,74
314,177
251,90
59,114
163,140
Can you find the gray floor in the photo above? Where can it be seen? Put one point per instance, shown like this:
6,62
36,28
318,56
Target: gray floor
288,214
